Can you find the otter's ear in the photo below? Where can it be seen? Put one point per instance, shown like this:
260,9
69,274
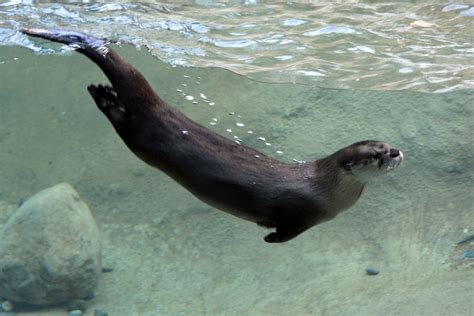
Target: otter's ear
348,166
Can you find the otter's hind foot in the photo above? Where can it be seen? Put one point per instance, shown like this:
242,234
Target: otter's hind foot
275,238
285,233
107,101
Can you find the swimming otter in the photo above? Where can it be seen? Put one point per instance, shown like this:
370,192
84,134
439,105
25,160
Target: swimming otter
218,171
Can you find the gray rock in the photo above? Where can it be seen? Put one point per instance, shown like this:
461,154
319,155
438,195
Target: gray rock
50,249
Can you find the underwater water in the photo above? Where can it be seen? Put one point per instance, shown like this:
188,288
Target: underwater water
173,255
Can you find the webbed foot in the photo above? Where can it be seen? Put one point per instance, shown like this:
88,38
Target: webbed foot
107,101
285,233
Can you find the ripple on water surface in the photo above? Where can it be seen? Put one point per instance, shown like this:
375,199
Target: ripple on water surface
396,45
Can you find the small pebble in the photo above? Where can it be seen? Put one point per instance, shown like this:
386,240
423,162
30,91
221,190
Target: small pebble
211,104
469,254
262,139
239,124
75,312
229,130
279,152
6,306
203,96
231,113
100,312
179,90
372,271
189,97
106,270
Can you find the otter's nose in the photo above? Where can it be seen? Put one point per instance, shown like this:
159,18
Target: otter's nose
394,152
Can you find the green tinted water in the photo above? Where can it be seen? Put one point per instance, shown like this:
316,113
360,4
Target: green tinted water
173,255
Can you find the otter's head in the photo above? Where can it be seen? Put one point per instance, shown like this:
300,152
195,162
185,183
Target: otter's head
370,158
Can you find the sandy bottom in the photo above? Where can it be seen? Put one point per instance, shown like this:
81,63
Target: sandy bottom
173,255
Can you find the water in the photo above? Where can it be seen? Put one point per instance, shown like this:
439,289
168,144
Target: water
364,45
173,255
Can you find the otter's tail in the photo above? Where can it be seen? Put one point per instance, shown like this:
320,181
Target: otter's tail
66,37
126,80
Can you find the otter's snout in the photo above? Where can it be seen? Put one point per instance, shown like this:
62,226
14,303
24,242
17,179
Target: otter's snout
396,156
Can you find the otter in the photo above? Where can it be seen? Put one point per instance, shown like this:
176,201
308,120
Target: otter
289,198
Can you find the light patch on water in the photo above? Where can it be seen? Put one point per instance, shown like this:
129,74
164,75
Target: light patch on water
331,29
107,7
360,48
311,73
292,22
405,70
454,7
469,12
284,57
230,43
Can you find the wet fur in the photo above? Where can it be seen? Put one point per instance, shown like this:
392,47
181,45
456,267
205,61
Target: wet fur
220,172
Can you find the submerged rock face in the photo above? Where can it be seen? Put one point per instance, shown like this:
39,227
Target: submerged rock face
50,249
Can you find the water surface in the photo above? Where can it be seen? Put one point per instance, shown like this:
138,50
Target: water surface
348,44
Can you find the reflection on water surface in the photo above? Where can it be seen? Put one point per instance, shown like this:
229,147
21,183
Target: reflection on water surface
387,46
